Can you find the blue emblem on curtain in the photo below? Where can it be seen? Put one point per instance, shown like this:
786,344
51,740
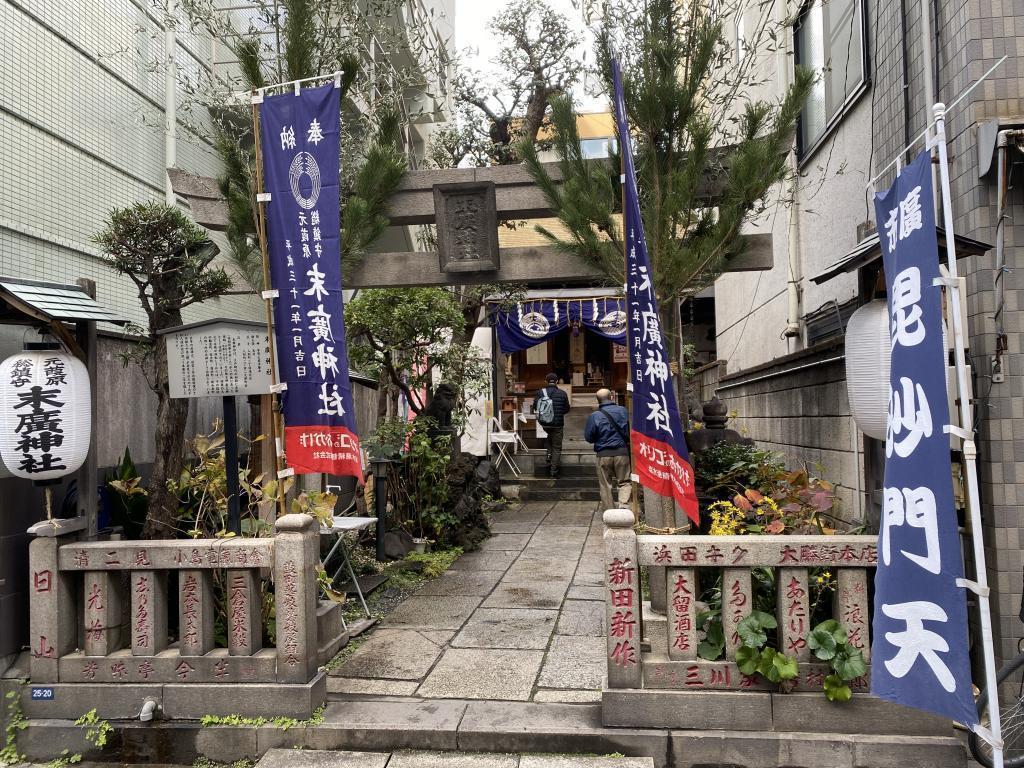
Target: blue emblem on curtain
533,322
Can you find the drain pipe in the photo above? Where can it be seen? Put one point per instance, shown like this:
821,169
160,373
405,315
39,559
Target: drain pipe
1005,138
170,100
792,330
149,708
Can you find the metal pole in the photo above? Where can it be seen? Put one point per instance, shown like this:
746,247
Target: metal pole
276,427
970,451
231,463
380,501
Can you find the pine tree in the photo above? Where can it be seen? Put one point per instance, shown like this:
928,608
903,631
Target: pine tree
306,43
693,125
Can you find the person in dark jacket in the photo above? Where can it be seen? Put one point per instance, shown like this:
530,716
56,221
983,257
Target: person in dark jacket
608,430
556,428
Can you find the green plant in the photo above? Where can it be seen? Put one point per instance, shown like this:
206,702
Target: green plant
97,730
733,466
15,722
710,622
129,500
755,655
284,723
170,260
65,759
435,563
828,642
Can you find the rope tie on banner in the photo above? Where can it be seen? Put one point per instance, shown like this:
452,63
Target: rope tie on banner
963,434
974,586
946,282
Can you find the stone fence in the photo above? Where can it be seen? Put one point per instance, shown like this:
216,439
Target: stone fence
100,613
718,715
672,661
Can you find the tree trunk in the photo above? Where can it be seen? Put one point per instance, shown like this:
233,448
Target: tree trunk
169,458
673,346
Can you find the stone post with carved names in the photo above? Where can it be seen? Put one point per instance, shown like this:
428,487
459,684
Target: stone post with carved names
195,612
245,618
102,612
851,607
148,629
52,615
295,589
737,602
682,613
793,612
622,599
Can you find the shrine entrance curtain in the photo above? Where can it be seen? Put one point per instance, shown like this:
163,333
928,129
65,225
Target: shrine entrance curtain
533,322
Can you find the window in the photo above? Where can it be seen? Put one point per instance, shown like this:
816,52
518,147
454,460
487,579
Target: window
596,149
830,40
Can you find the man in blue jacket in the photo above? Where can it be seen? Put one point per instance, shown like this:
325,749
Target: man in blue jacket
608,429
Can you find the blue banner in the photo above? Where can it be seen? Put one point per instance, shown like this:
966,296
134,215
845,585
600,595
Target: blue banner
301,162
919,629
534,322
661,460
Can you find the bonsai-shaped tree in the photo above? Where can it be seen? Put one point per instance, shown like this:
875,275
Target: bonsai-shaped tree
169,259
692,120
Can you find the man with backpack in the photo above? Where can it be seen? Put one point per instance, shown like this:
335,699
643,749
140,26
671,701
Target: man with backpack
551,405
608,430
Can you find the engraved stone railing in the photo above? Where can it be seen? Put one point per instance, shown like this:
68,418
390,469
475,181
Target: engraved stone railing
99,610
672,661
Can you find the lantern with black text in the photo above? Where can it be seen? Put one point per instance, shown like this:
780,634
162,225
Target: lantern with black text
45,415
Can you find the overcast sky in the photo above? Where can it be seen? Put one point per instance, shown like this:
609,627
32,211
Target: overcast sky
473,32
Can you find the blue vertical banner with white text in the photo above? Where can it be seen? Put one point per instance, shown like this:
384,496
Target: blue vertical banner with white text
301,161
919,631
661,460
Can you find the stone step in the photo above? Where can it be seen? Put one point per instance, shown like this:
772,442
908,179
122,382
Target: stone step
316,758
555,494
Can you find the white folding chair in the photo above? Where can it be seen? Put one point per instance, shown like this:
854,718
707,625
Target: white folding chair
503,440
520,443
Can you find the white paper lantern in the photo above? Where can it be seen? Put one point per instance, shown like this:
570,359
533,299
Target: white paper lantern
45,414
867,367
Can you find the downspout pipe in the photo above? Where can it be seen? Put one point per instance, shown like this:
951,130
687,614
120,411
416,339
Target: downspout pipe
170,100
1003,143
783,57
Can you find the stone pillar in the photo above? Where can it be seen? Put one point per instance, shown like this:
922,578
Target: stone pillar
622,600
149,612
52,619
851,607
682,613
793,612
195,612
654,516
102,612
737,603
245,625
296,553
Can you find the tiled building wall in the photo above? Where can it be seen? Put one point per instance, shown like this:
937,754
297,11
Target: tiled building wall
81,132
973,35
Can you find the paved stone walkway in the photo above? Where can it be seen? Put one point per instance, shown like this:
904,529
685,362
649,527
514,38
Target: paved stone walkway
521,619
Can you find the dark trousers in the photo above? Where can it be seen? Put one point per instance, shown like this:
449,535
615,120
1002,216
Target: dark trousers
554,445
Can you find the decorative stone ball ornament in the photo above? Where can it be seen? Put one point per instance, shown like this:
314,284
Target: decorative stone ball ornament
45,414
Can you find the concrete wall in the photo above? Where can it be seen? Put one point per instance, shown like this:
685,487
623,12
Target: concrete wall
797,406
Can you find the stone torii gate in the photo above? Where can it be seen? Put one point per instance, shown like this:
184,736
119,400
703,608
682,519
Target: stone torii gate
467,205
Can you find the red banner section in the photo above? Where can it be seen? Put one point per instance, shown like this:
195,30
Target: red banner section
661,469
334,450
